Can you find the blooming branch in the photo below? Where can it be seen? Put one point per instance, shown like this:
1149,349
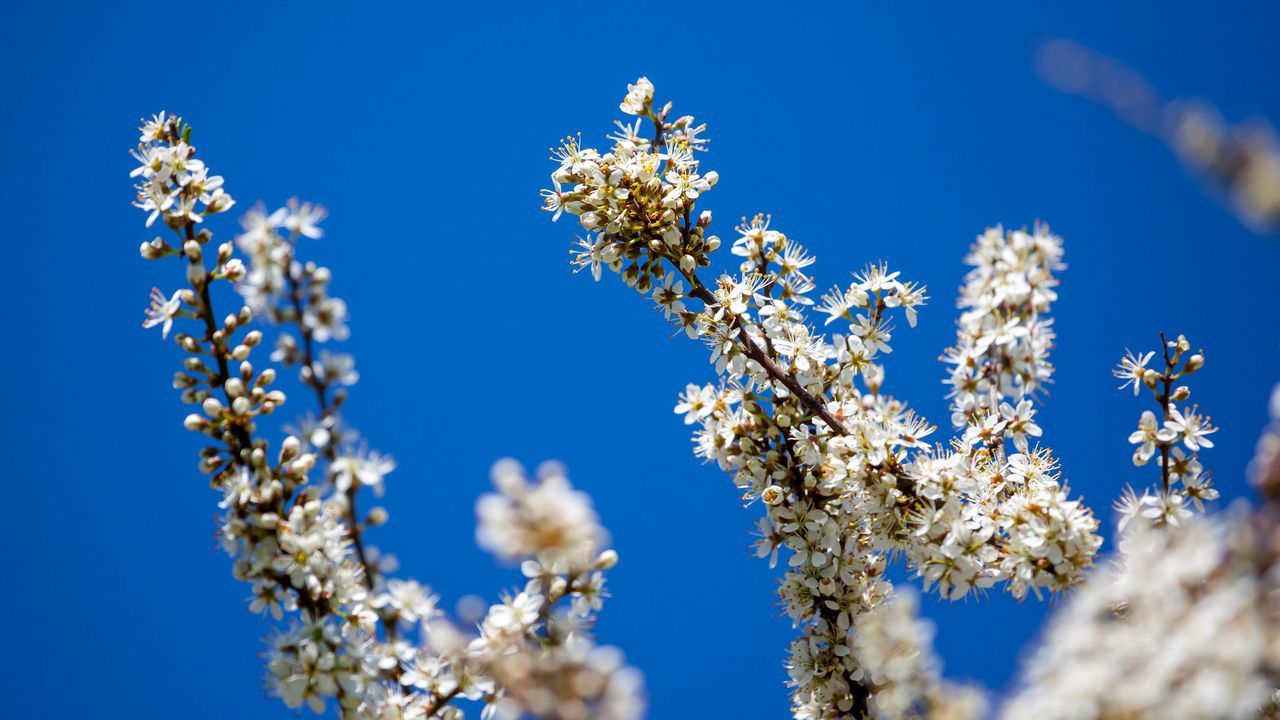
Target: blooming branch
1185,426
800,420
299,543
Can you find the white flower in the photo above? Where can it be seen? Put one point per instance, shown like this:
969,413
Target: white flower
162,312
337,368
513,614
1164,508
327,320
412,601
1190,427
639,97
1128,506
1131,369
300,218
1147,437
696,402
668,295
1019,422
1199,490
361,470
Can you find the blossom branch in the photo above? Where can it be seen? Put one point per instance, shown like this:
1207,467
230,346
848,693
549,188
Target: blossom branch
298,544
1182,477
842,469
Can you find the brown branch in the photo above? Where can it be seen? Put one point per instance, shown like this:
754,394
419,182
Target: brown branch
1166,379
754,352
219,352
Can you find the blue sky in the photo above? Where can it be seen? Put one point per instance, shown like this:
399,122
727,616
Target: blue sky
868,134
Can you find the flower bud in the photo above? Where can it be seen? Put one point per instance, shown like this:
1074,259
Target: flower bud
606,559
1182,393
1194,363
557,586
688,264
195,422
234,270
713,243
240,352
153,250
241,405
253,338
267,377
303,464
1150,377
212,407
234,387
192,250
377,516
289,449
712,178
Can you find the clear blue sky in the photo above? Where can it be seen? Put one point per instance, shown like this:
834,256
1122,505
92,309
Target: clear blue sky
868,134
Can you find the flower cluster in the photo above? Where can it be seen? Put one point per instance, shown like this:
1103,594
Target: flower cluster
1182,623
173,182
1176,436
1184,626
1003,336
892,646
995,514
554,530
799,418
299,542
